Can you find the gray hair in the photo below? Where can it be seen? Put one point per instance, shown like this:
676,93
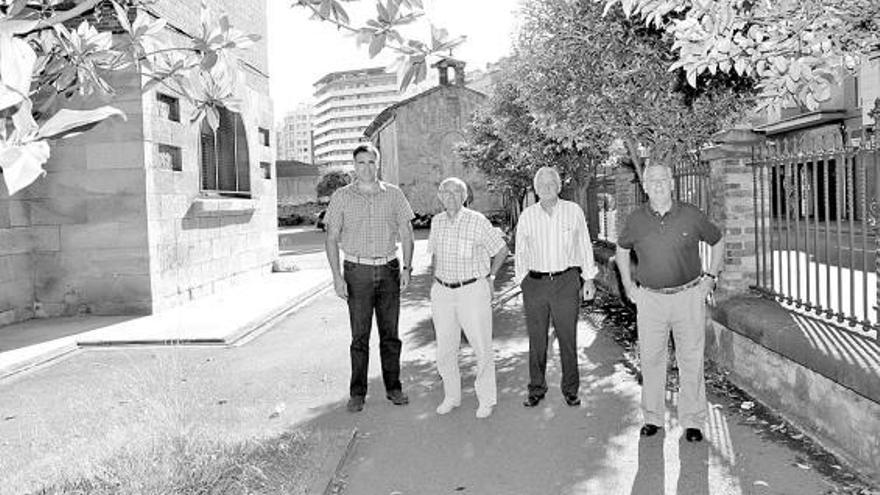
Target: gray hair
549,171
458,183
662,166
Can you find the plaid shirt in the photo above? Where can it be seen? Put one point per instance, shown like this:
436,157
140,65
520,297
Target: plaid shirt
463,246
369,224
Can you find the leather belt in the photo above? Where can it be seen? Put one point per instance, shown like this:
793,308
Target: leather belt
674,290
455,285
363,260
550,275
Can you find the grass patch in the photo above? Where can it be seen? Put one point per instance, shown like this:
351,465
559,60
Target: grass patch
290,464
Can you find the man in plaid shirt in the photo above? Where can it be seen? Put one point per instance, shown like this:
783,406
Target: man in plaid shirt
462,241
365,219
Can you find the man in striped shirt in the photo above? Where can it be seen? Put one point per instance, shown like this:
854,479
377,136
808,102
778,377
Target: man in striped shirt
462,241
366,218
555,267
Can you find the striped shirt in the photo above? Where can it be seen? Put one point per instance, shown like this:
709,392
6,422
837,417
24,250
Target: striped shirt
368,224
462,247
553,242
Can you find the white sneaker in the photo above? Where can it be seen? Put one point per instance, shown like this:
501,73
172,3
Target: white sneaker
484,412
446,406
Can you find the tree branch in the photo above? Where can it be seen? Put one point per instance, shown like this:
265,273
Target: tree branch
66,15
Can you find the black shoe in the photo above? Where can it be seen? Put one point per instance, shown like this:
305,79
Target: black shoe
397,397
356,403
572,399
532,400
649,430
693,435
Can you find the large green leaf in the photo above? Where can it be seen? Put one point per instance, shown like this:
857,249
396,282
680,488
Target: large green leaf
72,121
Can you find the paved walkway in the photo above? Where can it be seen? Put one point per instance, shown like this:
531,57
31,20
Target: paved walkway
62,420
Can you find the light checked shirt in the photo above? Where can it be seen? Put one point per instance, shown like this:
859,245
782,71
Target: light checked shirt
553,242
369,224
463,246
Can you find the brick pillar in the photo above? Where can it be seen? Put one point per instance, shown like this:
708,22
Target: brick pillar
733,208
625,183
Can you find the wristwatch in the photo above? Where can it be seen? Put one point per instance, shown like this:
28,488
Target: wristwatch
406,268
713,277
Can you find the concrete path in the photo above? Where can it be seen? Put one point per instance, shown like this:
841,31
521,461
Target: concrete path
63,420
554,448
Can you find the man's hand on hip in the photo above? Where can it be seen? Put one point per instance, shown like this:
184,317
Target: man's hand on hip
589,290
340,287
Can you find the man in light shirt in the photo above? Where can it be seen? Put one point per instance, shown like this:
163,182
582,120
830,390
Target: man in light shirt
462,242
555,268
366,219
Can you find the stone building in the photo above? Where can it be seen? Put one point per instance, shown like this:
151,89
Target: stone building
140,215
417,139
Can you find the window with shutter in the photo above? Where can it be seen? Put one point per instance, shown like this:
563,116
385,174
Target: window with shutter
225,161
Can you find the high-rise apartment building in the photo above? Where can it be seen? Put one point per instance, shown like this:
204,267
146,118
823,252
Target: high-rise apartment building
345,104
295,135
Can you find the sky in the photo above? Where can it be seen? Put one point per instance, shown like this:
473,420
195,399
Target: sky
301,50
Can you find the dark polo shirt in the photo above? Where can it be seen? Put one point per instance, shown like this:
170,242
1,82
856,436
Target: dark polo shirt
667,246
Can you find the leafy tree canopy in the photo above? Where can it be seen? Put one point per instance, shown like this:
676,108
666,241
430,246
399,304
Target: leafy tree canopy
796,49
331,181
591,79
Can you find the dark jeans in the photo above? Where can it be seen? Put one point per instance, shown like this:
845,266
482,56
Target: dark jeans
557,298
373,288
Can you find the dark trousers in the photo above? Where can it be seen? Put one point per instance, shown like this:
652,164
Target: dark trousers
373,289
557,298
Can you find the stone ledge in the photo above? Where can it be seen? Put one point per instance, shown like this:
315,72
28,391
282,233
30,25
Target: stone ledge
221,207
843,357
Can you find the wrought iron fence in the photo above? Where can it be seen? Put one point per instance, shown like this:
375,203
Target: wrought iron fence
816,224
691,185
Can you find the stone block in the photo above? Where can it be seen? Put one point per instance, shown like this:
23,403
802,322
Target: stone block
58,210
46,238
93,183
100,235
15,240
116,208
115,155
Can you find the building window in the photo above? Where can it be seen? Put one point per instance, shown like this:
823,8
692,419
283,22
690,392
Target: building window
169,158
225,163
168,107
264,136
266,170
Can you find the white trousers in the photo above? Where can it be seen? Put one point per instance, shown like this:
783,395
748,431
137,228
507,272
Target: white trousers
467,309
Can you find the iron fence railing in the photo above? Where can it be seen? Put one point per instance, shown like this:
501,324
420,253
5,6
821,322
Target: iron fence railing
815,197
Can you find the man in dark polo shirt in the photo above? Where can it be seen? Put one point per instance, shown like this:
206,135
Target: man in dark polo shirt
670,292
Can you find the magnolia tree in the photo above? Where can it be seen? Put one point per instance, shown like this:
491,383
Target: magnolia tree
797,50
52,53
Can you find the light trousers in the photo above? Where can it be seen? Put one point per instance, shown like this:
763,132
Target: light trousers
467,309
683,313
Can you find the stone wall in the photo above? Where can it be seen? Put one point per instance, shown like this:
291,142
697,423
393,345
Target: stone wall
199,245
114,229
426,131
85,222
